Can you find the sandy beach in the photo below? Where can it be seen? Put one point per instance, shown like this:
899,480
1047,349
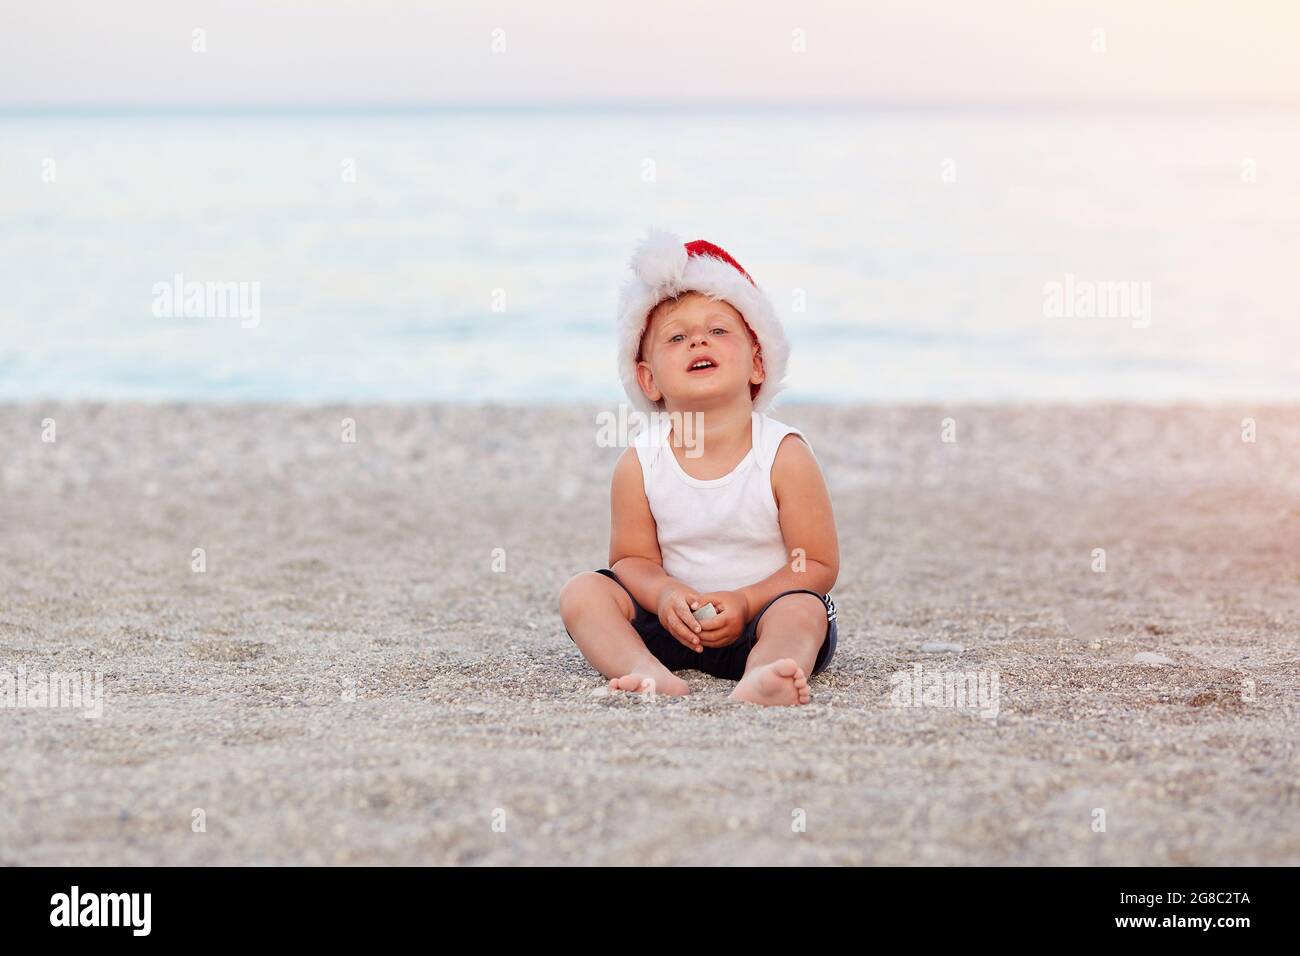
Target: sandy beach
354,678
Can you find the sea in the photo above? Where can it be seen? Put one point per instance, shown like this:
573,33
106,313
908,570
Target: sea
474,254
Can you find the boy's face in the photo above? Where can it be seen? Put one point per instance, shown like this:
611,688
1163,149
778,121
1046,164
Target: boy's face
698,351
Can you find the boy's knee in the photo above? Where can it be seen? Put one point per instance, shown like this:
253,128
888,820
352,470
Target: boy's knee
574,591
581,590
799,613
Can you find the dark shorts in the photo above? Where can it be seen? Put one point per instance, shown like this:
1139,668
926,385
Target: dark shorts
727,662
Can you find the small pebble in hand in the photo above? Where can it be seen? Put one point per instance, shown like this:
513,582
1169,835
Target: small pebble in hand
706,613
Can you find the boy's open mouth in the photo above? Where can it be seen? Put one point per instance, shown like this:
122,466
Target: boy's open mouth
701,365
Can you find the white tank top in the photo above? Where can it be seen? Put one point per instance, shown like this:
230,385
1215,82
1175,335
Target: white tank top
720,534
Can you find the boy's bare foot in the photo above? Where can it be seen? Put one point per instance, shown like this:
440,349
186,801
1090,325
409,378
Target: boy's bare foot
778,684
646,684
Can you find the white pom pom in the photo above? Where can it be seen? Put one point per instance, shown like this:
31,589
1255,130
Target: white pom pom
660,261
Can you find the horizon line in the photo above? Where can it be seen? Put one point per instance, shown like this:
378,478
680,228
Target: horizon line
1153,104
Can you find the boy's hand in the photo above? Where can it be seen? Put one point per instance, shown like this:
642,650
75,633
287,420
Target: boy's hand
733,615
676,602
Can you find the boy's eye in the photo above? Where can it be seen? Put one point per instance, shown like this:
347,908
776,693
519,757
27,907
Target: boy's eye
722,330
677,338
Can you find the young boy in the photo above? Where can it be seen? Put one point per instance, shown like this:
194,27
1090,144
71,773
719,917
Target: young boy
733,512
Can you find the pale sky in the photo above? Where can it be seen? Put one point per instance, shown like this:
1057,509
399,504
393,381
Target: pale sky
338,52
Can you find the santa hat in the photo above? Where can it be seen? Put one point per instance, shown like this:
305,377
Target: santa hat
665,267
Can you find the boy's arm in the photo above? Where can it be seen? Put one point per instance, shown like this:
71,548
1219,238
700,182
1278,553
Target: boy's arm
807,526
635,557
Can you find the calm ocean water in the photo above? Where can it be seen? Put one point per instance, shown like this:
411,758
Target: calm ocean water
477,255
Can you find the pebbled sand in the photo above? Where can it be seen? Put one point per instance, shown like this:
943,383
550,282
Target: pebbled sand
350,681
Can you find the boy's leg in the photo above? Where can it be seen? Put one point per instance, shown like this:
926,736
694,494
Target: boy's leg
788,637
598,614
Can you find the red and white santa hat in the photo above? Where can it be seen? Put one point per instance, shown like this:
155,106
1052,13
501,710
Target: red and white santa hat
664,267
